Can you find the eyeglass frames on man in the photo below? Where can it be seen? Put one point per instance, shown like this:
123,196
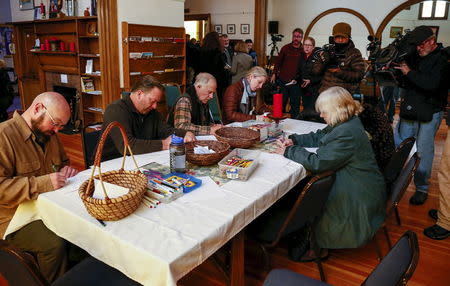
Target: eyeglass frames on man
53,123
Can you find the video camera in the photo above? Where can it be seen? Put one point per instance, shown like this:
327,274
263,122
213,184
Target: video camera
383,59
331,52
276,37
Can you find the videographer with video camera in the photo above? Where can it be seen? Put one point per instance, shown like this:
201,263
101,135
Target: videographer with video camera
340,63
285,72
422,106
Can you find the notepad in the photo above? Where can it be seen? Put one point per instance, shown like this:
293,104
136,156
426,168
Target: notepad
113,191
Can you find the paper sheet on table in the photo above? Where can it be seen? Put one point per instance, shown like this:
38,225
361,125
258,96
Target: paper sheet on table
312,150
112,190
206,137
209,190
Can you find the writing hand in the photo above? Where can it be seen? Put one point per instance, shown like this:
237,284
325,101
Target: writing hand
189,137
214,128
58,180
280,150
68,171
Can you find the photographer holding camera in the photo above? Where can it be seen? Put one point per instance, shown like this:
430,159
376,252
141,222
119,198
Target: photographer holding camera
421,109
285,72
340,62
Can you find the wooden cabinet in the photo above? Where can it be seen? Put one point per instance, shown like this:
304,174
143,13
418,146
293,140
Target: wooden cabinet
68,46
153,50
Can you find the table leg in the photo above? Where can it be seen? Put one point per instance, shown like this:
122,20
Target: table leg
237,274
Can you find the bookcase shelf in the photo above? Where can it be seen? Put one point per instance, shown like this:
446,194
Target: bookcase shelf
167,62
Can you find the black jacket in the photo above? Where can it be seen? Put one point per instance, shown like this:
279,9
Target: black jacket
144,132
426,78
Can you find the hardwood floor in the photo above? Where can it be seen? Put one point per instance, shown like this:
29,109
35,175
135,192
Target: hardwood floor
352,266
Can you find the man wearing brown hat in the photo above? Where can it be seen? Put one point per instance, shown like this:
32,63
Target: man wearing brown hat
346,68
421,109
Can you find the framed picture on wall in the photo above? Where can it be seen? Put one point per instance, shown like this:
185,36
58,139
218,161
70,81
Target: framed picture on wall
395,31
37,13
218,28
26,4
245,28
435,30
231,29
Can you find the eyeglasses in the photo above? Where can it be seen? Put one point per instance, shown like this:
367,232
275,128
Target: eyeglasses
54,123
308,45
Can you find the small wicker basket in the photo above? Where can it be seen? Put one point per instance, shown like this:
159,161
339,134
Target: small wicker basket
221,149
238,137
114,208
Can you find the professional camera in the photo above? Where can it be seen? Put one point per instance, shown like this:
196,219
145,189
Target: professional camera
276,37
384,59
330,51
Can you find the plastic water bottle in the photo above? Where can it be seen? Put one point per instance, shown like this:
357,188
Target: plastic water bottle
177,155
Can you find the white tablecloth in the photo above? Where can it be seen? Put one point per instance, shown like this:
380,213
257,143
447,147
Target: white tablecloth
159,246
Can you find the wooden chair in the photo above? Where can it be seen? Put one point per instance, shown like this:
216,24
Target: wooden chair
304,213
397,161
396,268
20,268
398,190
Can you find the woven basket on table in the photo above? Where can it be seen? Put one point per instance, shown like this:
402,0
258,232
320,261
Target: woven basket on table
238,137
221,150
135,181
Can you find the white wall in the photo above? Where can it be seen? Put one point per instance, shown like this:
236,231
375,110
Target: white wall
28,15
169,13
408,20
295,13
225,12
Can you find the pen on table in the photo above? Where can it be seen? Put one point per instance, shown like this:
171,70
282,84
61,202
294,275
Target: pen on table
101,222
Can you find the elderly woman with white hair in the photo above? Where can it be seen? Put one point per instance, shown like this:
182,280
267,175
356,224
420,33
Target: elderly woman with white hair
356,206
240,98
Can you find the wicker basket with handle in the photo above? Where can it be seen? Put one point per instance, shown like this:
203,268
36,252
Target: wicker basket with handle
221,150
238,137
135,181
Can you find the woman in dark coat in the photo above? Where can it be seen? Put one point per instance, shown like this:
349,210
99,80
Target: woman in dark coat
211,61
310,83
356,206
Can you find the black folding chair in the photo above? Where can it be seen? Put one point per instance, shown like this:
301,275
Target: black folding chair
307,209
398,190
90,141
396,268
397,161
400,185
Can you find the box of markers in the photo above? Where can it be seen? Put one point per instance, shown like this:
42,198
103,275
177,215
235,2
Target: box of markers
239,164
188,182
163,191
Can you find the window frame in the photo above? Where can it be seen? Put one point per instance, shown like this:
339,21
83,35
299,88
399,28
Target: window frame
433,11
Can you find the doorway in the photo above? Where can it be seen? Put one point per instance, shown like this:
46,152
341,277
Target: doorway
198,25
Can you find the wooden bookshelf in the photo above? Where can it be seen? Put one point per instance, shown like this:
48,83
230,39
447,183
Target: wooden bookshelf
153,50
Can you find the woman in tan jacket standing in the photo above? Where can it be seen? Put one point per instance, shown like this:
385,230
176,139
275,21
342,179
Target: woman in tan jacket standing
242,62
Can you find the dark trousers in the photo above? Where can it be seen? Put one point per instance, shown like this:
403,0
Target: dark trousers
49,249
293,94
